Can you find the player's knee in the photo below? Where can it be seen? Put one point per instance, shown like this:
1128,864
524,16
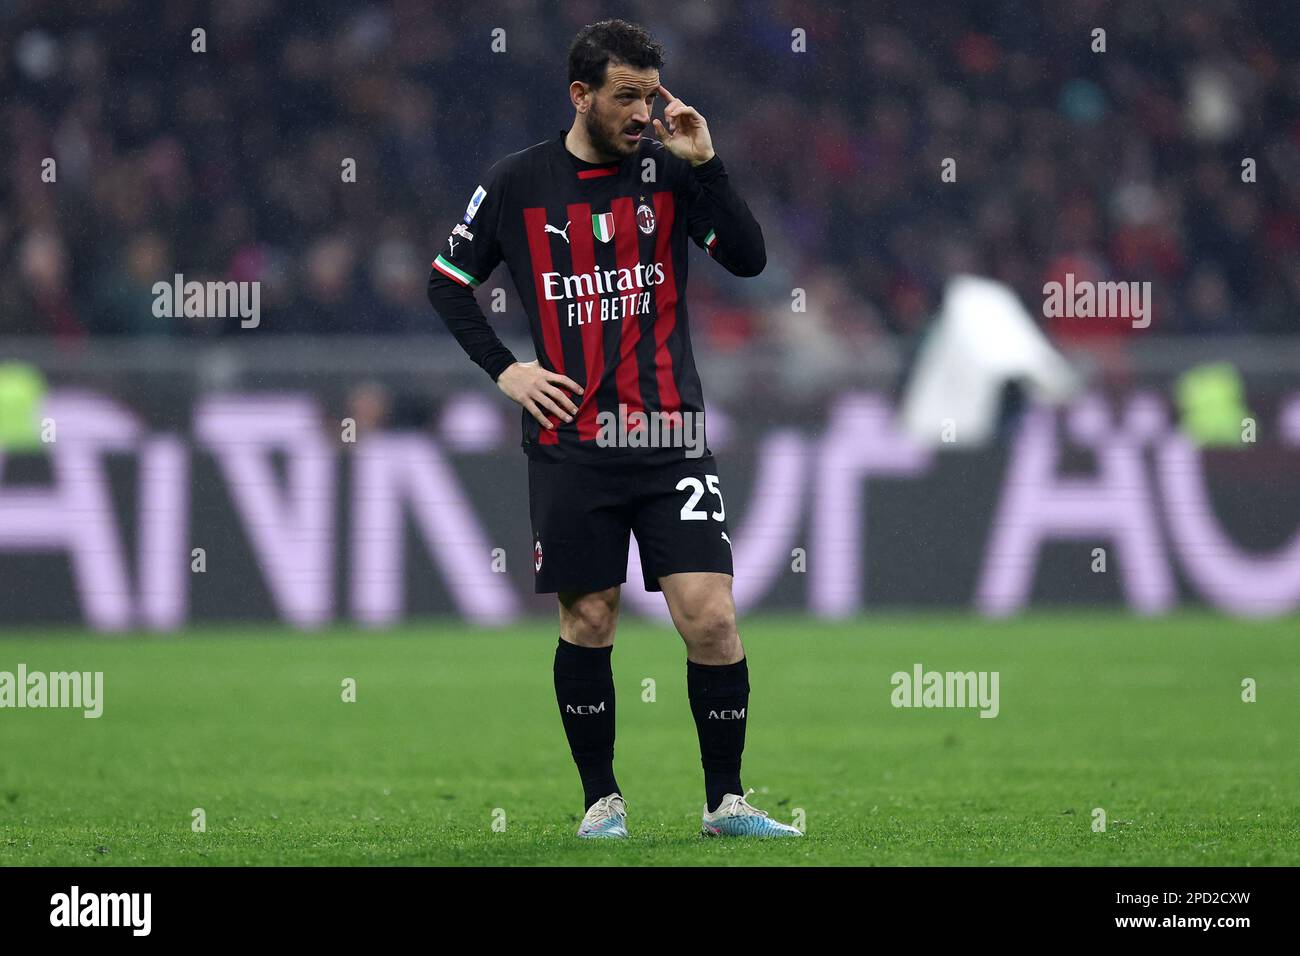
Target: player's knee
710,625
588,619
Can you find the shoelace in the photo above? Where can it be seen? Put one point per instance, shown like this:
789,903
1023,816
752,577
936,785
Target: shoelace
734,809
604,810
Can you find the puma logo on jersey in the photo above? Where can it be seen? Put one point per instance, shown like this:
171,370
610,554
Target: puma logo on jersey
559,232
726,539
585,709
727,714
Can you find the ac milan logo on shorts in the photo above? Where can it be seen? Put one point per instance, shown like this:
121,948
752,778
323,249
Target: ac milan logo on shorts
537,555
645,219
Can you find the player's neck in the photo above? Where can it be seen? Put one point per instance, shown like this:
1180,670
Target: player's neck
576,142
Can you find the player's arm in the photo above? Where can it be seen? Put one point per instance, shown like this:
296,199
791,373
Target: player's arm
458,308
718,220
472,251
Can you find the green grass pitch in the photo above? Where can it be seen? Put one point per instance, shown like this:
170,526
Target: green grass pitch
453,728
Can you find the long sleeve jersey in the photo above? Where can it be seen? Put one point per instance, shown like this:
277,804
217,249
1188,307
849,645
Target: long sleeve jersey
598,256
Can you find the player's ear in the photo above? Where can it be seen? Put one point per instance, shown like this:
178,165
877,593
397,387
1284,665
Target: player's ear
579,95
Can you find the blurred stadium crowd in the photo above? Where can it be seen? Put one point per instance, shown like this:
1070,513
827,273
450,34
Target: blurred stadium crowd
226,164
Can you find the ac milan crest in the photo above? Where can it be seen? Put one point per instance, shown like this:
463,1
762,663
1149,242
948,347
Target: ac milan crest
537,555
645,219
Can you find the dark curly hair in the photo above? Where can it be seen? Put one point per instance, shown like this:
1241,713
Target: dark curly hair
598,43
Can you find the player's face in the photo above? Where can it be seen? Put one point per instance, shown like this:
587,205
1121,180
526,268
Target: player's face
620,110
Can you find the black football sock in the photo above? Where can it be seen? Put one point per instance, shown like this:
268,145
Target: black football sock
719,699
584,689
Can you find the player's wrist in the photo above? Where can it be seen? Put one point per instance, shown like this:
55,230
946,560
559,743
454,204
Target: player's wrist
503,367
702,162
708,170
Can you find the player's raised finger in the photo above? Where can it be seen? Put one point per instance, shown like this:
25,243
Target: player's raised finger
663,91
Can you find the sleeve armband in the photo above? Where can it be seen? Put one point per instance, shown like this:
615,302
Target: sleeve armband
454,272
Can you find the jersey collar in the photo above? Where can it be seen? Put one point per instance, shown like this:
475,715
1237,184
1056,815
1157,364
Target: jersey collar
584,169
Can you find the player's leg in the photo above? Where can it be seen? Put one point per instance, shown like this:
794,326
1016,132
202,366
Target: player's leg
717,681
681,531
584,689
717,674
589,619
580,553
680,524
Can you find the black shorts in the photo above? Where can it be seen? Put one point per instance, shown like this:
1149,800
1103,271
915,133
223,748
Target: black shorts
582,515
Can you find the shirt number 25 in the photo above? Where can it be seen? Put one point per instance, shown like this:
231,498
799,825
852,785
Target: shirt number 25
689,513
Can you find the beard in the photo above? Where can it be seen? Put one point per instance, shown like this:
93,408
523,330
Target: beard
609,142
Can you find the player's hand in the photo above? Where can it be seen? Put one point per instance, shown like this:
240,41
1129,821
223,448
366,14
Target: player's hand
687,136
539,391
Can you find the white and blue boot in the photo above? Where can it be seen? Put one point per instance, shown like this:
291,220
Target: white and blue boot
735,817
605,819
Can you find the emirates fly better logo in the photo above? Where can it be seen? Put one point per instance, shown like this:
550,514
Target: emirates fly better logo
619,290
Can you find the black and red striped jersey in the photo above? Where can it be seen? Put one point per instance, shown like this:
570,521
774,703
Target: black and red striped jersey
598,255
